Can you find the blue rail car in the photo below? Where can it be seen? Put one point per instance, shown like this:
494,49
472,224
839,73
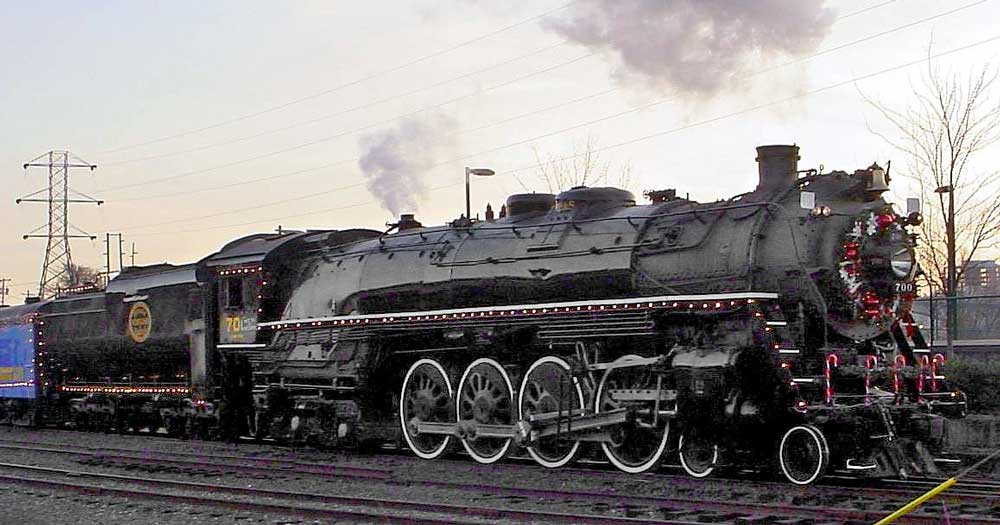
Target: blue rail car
21,364
17,362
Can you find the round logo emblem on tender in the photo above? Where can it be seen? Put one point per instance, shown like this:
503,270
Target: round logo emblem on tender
140,322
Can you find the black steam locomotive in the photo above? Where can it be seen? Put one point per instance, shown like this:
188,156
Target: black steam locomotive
770,330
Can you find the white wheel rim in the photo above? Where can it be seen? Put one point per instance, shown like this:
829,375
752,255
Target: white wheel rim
402,415
821,445
687,468
608,451
486,460
520,410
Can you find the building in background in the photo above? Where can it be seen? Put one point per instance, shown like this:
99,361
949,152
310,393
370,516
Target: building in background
980,278
978,306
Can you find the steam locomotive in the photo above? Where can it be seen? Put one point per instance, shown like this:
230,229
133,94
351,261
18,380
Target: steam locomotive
771,330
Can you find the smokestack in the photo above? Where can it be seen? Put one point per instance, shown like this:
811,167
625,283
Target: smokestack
408,222
778,166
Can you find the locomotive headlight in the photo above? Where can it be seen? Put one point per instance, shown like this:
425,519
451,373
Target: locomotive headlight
902,258
903,263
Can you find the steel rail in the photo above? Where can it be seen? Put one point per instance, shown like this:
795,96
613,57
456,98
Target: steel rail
277,466
689,505
211,454
462,511
861,492
965,491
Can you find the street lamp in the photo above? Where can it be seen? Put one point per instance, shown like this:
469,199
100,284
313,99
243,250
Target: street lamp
479,172
952,275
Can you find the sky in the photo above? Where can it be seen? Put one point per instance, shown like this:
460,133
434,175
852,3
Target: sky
213,120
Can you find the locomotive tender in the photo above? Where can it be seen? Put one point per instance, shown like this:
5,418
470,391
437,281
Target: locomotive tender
768,330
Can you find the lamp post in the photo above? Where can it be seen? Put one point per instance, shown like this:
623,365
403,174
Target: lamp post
952,278
479,172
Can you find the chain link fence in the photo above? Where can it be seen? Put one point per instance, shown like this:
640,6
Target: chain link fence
978,318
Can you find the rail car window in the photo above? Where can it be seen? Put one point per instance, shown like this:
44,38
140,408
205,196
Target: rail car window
233,293
194,307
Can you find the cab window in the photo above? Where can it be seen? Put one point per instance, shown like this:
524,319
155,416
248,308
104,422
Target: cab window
232,293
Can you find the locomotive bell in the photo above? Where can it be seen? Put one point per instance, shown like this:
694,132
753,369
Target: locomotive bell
879,179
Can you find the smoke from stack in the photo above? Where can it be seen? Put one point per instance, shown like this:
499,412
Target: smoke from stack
696,47
396,160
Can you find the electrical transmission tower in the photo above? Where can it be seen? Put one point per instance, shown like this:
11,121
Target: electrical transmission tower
58,265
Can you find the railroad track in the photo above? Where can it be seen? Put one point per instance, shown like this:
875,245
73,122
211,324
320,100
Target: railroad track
304,504
209,462
964,489
846,486
665,509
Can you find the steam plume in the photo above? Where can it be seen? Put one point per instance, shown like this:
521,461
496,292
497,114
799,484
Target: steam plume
693,46
395,160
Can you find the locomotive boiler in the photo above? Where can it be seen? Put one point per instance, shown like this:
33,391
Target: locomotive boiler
768,330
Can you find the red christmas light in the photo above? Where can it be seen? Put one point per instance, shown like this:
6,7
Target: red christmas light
883,220
851,250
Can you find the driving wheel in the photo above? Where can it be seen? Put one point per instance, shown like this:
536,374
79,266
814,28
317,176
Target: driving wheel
549,388
637,445
485,397
426,396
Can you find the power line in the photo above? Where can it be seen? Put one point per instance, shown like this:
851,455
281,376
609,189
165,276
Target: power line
390,98
345,133
532,139
272,219
255,207
670,131
866,9
282,175
339,87
338,113
243,182
497,86
772,103
673,98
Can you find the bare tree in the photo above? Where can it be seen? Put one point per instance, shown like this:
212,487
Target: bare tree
77,275
953,118
584,167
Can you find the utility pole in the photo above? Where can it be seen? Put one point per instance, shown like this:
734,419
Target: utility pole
58,262
107,258
107,255
3,291
121,253
951,285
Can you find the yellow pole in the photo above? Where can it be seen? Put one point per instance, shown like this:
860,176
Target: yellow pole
934,491
911,506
